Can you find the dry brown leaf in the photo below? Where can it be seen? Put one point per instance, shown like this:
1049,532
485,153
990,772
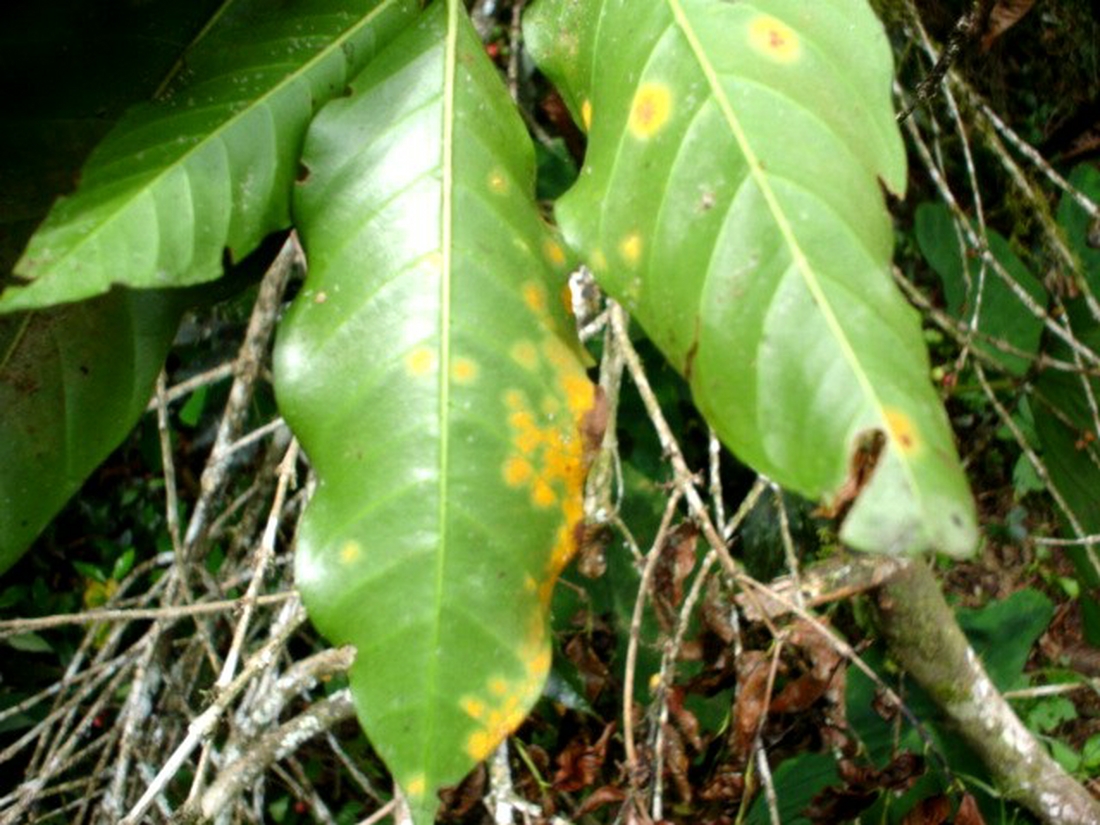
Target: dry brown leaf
579,763
968,813
935,810
751,704
685,720
605,795
1005,15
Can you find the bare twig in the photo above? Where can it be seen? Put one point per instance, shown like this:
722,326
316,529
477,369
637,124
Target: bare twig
247,370
12,626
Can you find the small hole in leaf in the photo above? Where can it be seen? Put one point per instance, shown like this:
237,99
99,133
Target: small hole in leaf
303,173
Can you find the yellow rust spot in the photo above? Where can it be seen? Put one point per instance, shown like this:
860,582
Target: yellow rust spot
499,722
554,253
548,448
580,395
498,183
350,551
480,744
539,664
650,110
774,39
420,362
473,707
517,471
498,686
543,494
631,248
463,370
534,295
902,431
525,354
416,786
586,115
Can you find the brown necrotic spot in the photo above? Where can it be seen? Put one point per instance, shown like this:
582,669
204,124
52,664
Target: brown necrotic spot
650,110
903,431
774,39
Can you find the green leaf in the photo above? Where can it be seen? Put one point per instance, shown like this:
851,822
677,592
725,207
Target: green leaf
29,643
425,371
1003,633
1065,428
797,781
1081,230
730,199
1051,712
208,167
68,395
1001,314
1090,754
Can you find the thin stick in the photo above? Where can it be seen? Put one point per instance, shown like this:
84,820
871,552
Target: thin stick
204,724
635,635
261,326
185,388
12,626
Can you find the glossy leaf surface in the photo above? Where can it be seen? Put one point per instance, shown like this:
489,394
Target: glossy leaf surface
425,371
207,169
730,199
69,393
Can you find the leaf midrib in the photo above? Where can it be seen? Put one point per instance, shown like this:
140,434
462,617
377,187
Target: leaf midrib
450,61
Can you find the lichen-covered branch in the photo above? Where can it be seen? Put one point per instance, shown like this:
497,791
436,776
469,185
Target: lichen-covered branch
924,638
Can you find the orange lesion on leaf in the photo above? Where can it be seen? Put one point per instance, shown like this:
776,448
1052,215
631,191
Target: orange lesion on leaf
542,494
903,431
497,721
517,471
775,39
554,253
534,295
586,115
463,370
546,457
650,110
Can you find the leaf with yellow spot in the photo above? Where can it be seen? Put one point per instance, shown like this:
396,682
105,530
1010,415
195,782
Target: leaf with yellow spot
439,401
731,199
